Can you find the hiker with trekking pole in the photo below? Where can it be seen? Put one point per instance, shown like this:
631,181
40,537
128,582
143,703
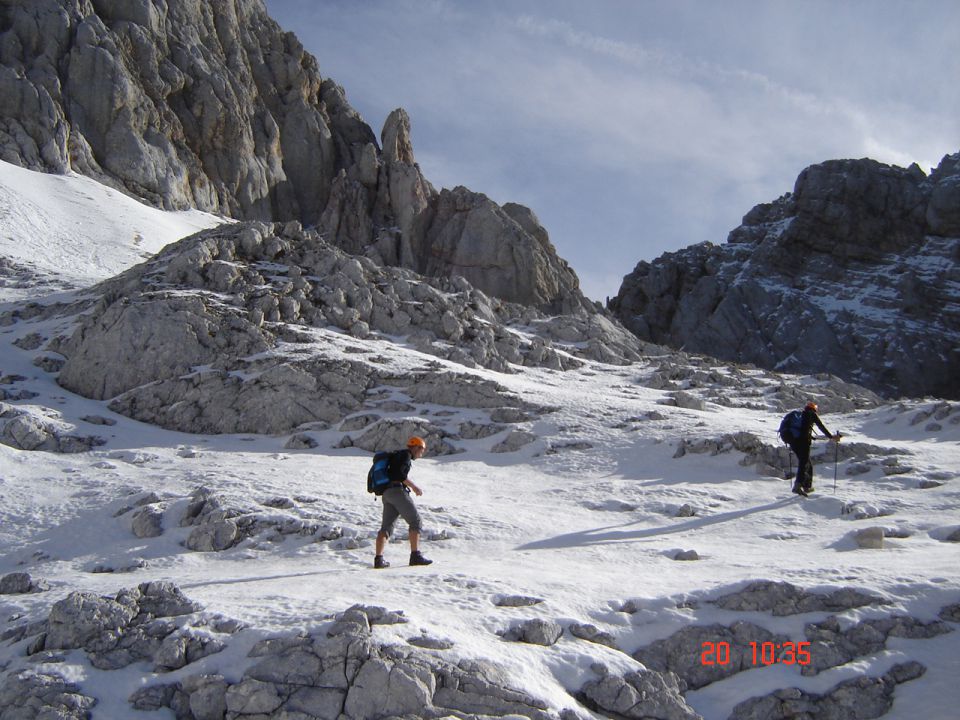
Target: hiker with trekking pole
796,430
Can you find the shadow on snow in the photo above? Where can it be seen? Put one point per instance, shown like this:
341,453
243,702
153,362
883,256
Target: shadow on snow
610,534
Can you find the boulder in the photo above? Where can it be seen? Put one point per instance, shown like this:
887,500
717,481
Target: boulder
20,583
869,538
214,536
860,697
44,693
641,694
536,632
832,644
591,633
514,440
148,522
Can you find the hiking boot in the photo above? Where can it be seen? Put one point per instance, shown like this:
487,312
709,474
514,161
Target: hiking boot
417,558
379,563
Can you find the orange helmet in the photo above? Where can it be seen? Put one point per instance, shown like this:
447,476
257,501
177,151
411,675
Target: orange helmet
416,442
812,406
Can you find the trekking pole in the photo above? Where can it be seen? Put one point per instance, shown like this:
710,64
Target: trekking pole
836,458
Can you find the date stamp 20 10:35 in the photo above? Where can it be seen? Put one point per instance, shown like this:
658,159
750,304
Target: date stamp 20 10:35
765,653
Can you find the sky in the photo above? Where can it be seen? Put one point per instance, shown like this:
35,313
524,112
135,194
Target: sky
634,128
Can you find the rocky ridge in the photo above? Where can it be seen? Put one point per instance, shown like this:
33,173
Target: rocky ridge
855,273
230,331
211,105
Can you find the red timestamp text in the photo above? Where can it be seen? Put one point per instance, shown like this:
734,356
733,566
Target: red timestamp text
760,653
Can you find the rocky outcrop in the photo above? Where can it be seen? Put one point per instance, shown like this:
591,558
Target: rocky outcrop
683,652
854,273
185,104
229,331
30,429
20,583
641,694
832,645
502,250
211,105
783,598
135,625
862,697
44,694
345,673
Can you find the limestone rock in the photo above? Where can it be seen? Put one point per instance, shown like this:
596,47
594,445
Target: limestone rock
214,536
862,697
245,126
681,654
346,674
148,522
813,281
44,694
392,434
783,598
642,694
592,633
502,250
514,601
832,645
213,335
20,583
536,632
869,538
951,613
515,440
25,430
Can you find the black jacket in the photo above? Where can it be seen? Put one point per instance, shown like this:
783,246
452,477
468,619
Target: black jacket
810,418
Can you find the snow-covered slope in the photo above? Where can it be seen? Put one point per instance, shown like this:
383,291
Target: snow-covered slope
68,231
588,518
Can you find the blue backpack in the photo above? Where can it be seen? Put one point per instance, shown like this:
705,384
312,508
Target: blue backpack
791,426
378,477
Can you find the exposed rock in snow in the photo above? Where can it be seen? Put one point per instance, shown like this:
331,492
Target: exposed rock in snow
46,694
862,697
20,583
27,429
536,631
347,674
682,653
641,694
782,598
833,645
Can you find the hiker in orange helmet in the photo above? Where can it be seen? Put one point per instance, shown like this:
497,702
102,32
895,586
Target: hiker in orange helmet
800,444
398,503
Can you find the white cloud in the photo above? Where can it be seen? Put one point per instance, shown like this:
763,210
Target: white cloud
641,127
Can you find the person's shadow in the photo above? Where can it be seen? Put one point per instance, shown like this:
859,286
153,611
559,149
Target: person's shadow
608,535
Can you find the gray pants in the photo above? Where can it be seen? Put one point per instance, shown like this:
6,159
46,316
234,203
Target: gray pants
398,503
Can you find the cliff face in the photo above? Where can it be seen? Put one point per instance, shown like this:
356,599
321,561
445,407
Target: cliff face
209,104
854,273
